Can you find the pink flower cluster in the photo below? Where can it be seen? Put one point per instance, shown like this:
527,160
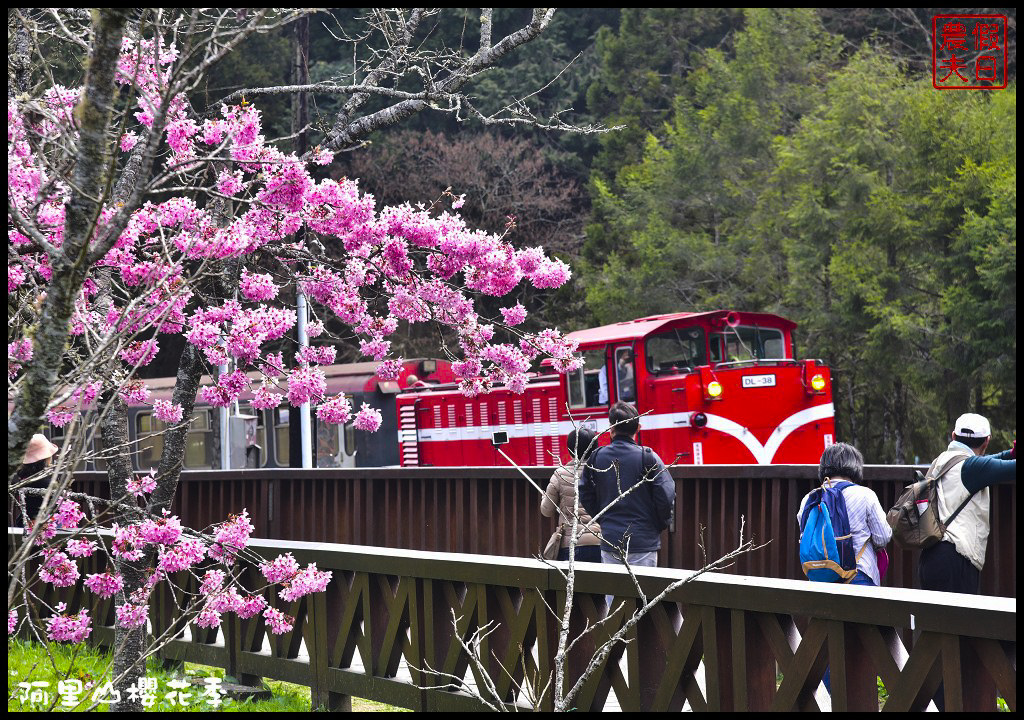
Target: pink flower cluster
134,393
81,548
18,352
140,353
213,580
128,542
139,485
229,386
69,514
282,569
231,537
335,411
104,584
368,419
131,615
316,355
59,416
58,569
257,287
306,384
279,622
68,628
165,411
305,582
185,554
162,531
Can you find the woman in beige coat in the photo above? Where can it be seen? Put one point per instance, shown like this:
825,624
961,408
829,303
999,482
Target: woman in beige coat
560,497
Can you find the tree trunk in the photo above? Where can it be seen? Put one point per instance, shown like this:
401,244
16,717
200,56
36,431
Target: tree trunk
129,643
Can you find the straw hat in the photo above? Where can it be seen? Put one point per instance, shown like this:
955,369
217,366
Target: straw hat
39,448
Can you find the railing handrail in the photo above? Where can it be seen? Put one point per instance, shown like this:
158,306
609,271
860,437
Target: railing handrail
896,473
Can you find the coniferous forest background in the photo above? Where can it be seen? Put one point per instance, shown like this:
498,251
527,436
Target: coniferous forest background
794,161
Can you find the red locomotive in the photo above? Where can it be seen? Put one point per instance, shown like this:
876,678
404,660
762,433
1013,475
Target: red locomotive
712,388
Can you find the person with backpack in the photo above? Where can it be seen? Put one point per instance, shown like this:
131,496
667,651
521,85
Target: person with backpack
635,516
954,563
559,501
841,523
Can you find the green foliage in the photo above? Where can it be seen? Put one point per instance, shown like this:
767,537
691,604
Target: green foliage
843,192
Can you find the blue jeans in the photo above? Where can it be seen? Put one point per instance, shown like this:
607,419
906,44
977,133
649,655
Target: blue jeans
644,559
584,553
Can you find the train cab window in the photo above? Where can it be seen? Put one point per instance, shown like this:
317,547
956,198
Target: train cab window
625,373
675,350
588,386
282,443
742,344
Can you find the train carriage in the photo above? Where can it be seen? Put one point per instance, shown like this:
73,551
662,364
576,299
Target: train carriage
712,388
264,438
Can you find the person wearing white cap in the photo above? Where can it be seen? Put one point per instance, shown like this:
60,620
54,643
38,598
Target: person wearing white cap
955,563
37,458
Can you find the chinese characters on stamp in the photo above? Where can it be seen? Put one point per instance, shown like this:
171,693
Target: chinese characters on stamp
969,52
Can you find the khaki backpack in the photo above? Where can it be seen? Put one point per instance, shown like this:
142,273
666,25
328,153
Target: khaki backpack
915,520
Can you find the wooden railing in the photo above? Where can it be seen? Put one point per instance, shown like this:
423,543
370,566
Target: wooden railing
383,630
495,511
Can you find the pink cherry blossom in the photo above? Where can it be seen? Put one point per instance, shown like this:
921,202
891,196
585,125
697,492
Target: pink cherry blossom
68,628
104,584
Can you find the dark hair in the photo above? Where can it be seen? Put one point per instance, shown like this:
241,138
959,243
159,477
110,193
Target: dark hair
624,418
841,460
581,439
972,442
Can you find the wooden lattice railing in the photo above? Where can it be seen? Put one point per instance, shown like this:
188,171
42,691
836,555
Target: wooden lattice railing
384,631
495,511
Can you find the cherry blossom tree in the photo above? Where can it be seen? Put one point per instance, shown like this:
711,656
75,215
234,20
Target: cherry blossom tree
134,216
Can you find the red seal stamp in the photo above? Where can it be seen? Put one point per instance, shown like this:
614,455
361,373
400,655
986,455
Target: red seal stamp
969,52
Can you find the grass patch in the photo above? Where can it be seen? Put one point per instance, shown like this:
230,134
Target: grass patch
27,662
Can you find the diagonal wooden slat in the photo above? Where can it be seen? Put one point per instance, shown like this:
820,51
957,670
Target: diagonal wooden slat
1000,667
920,677
607,675
678,683
801,676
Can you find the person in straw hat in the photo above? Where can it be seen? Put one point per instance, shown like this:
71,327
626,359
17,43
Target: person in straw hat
37,458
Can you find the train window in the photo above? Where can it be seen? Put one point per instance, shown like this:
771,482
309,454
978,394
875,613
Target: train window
150,440
741,344
328,445
350,439
282,442
199,442
588,386
625,373
256,444
676,349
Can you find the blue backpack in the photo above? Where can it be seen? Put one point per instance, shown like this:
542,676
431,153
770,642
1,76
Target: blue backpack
826,543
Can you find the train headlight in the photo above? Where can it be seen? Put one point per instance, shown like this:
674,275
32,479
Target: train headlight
714,388
818,383
699,420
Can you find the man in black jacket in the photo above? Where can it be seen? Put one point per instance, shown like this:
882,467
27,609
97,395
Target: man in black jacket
635,487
